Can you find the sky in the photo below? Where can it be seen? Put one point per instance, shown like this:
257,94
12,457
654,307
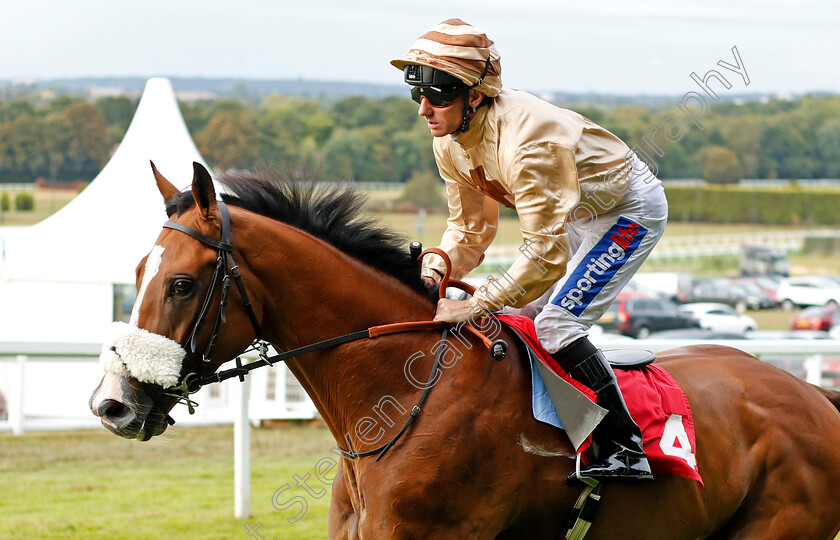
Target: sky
605,47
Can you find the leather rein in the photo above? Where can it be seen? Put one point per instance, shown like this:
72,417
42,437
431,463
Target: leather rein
226,269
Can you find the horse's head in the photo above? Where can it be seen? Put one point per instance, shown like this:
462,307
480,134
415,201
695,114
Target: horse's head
154,361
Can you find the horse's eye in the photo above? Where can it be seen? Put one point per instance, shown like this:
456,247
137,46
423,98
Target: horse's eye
182,287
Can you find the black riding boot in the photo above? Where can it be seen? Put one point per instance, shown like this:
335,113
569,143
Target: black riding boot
620,454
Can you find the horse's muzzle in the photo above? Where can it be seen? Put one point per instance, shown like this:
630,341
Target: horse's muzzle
125,409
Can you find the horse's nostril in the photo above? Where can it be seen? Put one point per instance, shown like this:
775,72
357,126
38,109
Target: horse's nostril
116,412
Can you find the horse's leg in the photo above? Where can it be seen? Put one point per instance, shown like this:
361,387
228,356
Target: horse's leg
343,522
794,499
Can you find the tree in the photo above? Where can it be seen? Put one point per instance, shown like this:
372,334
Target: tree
118,112
721,166
413,153
399,114
24,202
357,111
425,189
743,138
27,152
13,109
828,147
361,155
87,144
285,123
783,153
230,139
196,115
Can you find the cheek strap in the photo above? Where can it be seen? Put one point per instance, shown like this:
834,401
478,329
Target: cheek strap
130,351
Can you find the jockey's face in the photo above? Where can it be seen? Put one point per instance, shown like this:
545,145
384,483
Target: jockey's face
442,120
445,120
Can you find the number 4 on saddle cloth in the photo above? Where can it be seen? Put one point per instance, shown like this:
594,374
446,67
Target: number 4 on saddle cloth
653,397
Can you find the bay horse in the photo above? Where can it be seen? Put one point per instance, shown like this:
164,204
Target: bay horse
474,463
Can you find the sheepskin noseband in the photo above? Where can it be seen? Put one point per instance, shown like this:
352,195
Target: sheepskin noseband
130,351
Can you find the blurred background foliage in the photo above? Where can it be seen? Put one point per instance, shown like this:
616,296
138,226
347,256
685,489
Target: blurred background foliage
363,139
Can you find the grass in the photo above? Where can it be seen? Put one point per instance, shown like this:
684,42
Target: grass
47,202
772,319
94,485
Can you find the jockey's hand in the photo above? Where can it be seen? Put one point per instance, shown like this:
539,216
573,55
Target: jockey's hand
454,311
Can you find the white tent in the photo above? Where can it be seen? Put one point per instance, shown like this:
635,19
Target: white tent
58,278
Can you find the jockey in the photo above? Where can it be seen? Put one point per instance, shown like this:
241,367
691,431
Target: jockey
589,210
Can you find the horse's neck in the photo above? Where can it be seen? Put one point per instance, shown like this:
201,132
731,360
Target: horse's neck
314,292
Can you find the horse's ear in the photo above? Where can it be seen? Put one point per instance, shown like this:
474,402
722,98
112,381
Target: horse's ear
203,192
165,186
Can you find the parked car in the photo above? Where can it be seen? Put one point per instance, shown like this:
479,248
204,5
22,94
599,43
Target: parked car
719,317
767,284
816,318
834,278
719,291
808,291
754,295
637,316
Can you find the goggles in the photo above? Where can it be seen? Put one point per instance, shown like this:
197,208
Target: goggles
438,96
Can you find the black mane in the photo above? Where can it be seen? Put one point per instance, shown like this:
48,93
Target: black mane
331,214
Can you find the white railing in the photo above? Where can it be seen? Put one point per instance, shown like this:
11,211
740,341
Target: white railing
47,387
18,186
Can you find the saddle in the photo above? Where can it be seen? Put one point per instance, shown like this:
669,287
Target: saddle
628,358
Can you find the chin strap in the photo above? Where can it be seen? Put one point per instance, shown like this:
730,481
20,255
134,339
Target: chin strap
468,110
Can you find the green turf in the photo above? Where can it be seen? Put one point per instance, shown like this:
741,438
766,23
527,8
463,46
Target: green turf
47,202
93,485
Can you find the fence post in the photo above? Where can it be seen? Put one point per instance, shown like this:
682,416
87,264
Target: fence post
16,397
242,450
813,369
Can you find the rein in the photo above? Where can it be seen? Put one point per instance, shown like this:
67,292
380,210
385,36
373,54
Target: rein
227,268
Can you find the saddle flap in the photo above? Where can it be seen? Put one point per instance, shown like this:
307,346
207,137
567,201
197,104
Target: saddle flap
629,358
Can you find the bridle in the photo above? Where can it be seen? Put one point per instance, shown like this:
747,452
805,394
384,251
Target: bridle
226,269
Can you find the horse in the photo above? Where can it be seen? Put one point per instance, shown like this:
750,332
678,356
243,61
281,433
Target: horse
474,463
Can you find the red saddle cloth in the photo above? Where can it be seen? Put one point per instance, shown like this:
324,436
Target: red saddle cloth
655,401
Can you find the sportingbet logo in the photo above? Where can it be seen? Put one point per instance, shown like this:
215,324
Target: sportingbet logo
599,266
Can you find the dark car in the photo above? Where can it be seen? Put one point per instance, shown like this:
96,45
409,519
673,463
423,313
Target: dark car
816,318
756,297
721,291
767,284
637,316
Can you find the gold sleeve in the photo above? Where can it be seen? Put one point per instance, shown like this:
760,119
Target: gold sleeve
470,229
543,180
